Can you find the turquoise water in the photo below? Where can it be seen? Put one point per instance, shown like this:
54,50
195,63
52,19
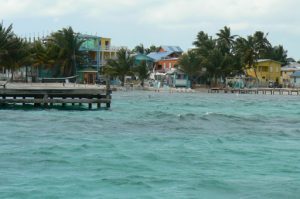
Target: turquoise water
155,145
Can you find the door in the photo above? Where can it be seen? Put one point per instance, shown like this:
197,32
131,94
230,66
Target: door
90,78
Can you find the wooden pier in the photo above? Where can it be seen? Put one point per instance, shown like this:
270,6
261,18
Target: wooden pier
47,96
271,91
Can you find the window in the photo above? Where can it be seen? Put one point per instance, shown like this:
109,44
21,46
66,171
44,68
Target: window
271,69
264,69
170,65
165,65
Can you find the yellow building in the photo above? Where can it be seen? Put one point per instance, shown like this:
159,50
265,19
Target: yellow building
99,51
106,50
266,70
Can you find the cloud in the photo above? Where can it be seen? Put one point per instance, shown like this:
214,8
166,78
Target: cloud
143,19
238,11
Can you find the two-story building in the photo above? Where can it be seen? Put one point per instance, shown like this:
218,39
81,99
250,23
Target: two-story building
164,70
166,58
266,70
98,50
287,71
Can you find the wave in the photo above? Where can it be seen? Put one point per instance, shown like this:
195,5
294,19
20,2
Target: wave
159,114
232,118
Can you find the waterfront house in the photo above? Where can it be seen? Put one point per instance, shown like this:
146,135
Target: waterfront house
166,58
177,78
296,79
287,71
98,50
88,75
267,71
139,58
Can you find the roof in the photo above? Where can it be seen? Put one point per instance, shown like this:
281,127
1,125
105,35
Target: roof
292,65
176,49
296,74
86,36
159,55
266,60
142,57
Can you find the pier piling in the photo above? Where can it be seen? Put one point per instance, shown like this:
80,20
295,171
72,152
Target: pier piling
50,96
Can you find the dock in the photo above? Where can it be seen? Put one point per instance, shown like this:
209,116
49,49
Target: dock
47,95
271,91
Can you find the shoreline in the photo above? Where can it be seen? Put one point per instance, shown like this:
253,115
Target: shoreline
264,91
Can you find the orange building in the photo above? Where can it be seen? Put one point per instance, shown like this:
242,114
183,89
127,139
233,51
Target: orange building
166,58
166,64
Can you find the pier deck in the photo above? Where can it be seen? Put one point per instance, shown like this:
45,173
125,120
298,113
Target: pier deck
48,95
271,91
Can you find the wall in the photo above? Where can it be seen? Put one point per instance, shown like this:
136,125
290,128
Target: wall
166,64
267,71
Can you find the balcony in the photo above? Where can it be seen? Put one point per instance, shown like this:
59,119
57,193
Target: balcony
112,48
102,49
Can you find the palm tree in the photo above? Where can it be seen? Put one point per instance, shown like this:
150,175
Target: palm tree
190,64
121,66
252,49
247,49
151,49
6,34
140,49
142,71
262,43
7,42
17,55
41,58
39,54
67,44
279,54
225,39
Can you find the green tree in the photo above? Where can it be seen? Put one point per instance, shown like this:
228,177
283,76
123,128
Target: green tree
251,49
6,35
262,44
225,40
121,66
142,71
41,57
279,54
66,44
190,64
151,49
140,49
204,44
17,55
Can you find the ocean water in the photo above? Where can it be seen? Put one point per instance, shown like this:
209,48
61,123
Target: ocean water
154,145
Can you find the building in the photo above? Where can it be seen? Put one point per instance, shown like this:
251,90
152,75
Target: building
176,78
287,71
166,58
139,58
267,71
296,79
98,50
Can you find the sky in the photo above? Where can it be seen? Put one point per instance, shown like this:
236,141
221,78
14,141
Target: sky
157,22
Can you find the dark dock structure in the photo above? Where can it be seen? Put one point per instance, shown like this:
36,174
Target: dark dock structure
271,91
47,96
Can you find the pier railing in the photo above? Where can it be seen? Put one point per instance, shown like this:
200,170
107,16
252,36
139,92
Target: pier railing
49,94
271,91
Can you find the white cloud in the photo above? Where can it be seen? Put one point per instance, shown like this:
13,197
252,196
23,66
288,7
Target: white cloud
140,18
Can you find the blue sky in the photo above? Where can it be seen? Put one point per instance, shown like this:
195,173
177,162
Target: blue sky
158,22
